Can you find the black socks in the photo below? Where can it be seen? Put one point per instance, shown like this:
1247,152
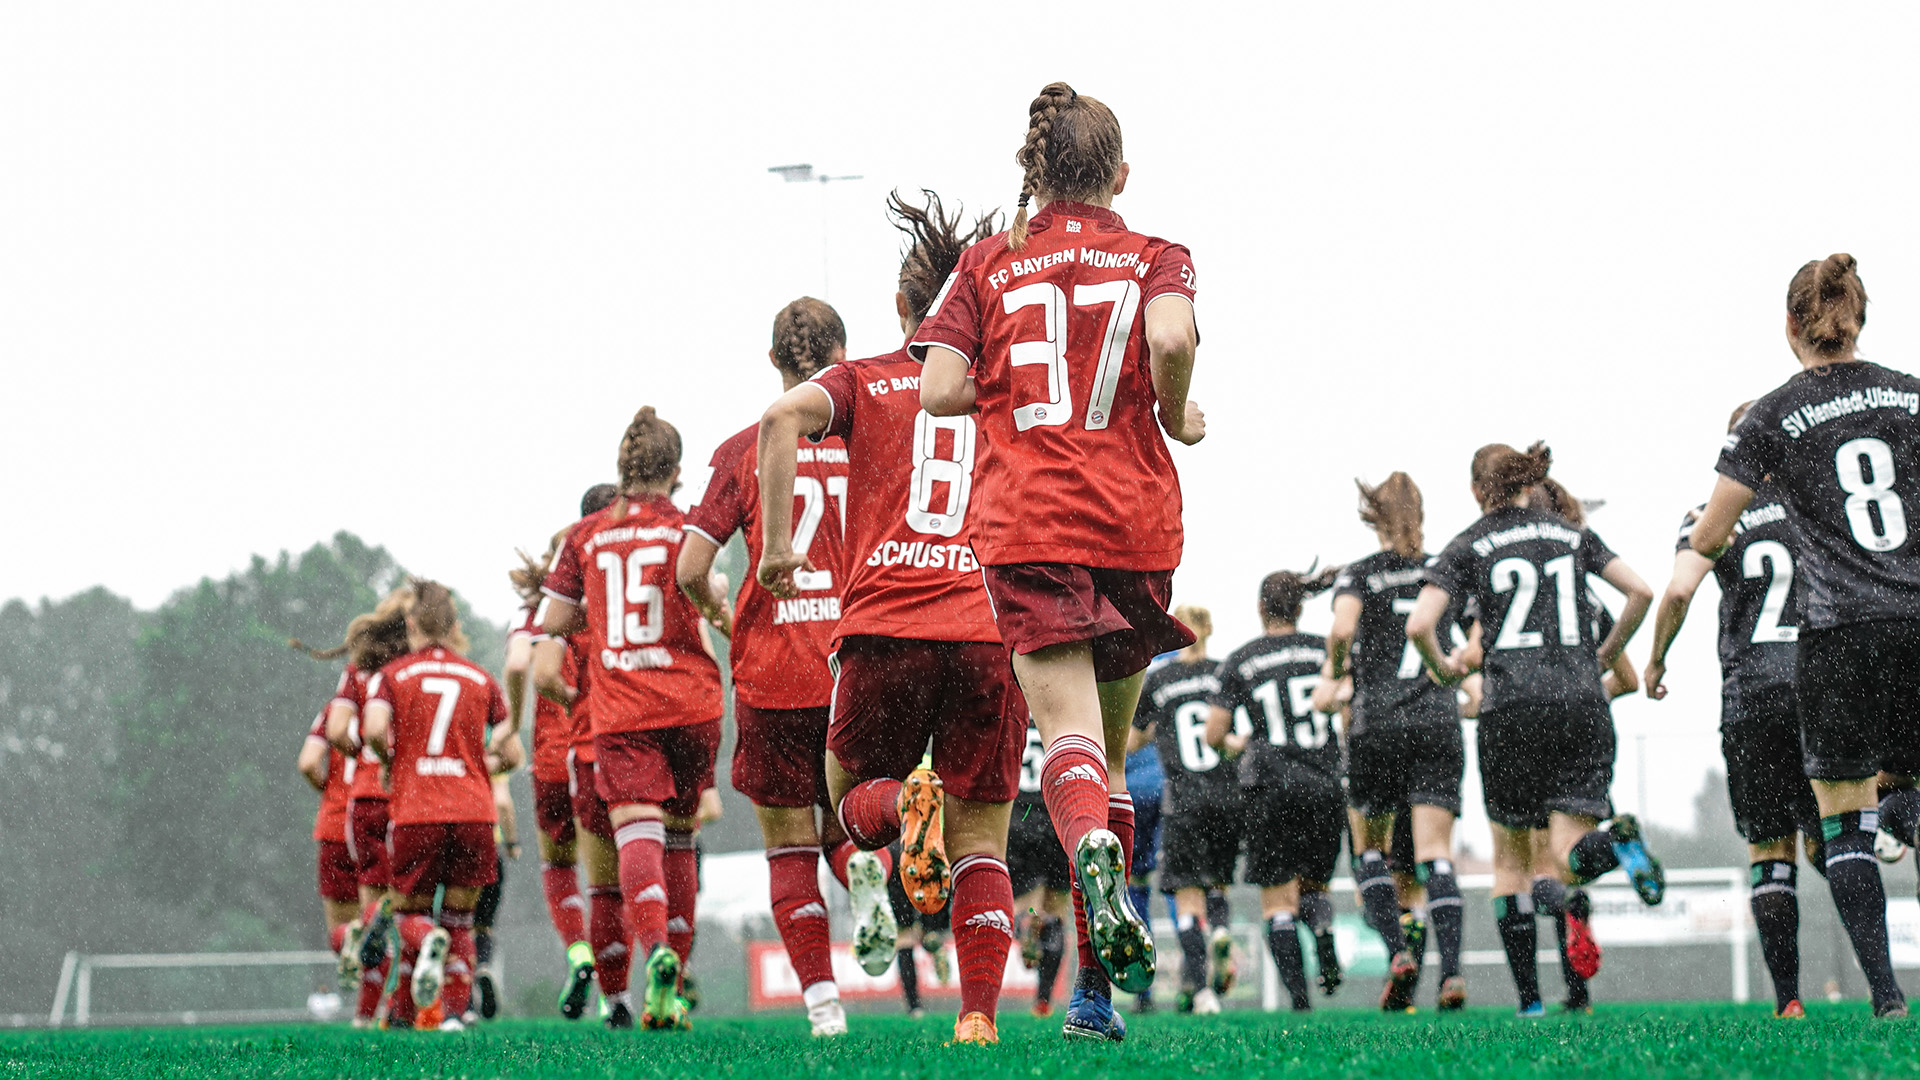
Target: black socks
1053,952
1592,856
1193,953
1776,914
1283,940
1514,914
1378,899
1854,876
1445,911
909,976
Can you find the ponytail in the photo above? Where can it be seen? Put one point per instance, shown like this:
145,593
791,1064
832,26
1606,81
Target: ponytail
1283,592
1828,304
1072,151
1394,509
1501,473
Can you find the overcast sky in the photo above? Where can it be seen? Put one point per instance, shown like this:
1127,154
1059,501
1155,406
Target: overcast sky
270,270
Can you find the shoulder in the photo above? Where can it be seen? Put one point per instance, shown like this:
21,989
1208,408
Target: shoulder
742,445
982,253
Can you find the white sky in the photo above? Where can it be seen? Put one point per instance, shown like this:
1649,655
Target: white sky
269,270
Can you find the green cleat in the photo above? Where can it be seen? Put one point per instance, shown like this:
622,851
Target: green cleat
573,998
1120,939
663,1009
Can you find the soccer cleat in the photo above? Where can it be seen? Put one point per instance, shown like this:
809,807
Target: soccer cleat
1183,1000
689,990
662,1009
916,1013
1225,970
373,941
1888,848
349,962
573,998
486,993
1793,1011
1579,1002
430,971
1206,1003
1649,880
1583,952
1414,928
428,1018
618,1016
875,934
1043,1009
936,947
1030,946
828,1019
975,1029
1403,975
1090,1015
452,1023
1890,1010
1532,1011
1330,976
1453,994
1121,940
923,844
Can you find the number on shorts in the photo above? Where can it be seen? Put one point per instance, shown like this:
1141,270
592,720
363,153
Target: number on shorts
1032,762
630,587
930,468
1123,294
1770,559
448,691
1867,497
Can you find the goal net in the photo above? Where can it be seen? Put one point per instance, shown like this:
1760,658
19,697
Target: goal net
225,988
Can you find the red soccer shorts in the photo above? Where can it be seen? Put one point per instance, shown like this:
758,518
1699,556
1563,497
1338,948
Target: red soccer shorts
553,809
457,855
780,755
1122,612
589,810
664,767
338,881
890,695
367,842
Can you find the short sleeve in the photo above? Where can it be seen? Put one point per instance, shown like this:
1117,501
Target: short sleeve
1172,272
319,728
564,580
345,692
1685,539
840,384
722,510
1750,452
1348,583
954,319
1227,691
1452,569
380,689
1595,553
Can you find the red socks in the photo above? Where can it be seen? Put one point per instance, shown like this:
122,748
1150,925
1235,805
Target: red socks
800,912
682,871
607,933
871,813
564,905
643,873
845,850
1120,820
413,931
373,983
337,937
456,994
982,930
1073,781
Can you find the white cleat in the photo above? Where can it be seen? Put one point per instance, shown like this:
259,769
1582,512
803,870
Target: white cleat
452,1023
430,971
348,964
1888,848
828,1018
875,932
1206,1002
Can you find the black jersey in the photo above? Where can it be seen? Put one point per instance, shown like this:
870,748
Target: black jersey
1390,685
1759,596
1841,445
1175,699
1272,678
1526,572
1031,763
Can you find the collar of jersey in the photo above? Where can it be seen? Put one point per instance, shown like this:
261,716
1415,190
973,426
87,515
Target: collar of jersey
1085,211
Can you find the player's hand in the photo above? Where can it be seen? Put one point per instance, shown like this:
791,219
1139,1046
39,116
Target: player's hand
1450,672
776,572
511,752
1654,679
1191,425
1235,744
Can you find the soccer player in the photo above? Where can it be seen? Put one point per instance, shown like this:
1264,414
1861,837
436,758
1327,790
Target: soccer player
917,655
1837,443
656,697
485,1004
1069,335
1404,742
1041,879
426,716
781,683
919,930
1290,779
1546,740
1201,808
324,768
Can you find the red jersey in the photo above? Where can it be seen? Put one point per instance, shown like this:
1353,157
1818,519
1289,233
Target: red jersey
1075,468
574,670
330,823
779,651
652,666
552,729
910,571
442,705
363,769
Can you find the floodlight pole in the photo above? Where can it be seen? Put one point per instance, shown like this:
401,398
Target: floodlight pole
800,174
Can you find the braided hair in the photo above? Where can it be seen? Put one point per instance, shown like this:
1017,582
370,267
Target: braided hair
1072,151
806,334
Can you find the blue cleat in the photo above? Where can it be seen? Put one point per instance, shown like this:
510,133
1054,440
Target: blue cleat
1649,880
1090,1016
1533,1011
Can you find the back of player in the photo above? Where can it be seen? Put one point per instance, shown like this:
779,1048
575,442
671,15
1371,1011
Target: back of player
656,695
1071,335
918,657
1838,441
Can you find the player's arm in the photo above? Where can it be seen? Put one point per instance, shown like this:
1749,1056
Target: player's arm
1620,679
340,728
313,762
1346,623
513,675
1423,626
1639,598
376,729
548,658
695,574
503,815
1172,339
1690,568
804,410
945,388
1714,531
1139,737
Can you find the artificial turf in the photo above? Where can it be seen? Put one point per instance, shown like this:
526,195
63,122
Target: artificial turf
1637,1041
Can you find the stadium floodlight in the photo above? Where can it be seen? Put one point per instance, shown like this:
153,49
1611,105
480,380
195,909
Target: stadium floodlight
793,174
800,174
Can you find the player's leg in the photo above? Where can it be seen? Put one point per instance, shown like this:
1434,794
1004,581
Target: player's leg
1409,893
1433,854
1222,845
486,909
1280,907
1190,916
1271,865
459,906
1569,909
982,911
559,872
607,933
1513,911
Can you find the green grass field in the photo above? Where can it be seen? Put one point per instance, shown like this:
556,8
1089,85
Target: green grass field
1632,1041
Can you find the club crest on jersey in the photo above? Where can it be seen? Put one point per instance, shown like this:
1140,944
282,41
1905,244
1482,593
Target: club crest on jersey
1073,226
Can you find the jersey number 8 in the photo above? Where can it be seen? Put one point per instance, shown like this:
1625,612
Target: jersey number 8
1864,497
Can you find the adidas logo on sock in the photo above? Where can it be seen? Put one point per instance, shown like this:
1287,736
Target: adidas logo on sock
1078,772
678,925
614,951
993,919
812,909
652,894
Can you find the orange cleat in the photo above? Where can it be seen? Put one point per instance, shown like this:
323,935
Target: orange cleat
923,841
976,1028
1043,1009
1793,1011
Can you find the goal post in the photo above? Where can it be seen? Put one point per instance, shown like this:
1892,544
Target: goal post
76,986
